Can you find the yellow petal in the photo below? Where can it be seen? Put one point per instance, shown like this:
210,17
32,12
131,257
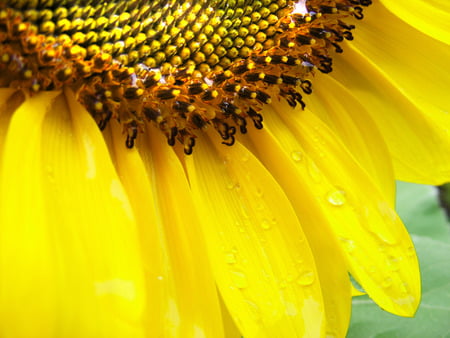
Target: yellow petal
349,119
430,17
287,165
230,328
418,140
379,251
69,250
182,297
415,63
261,259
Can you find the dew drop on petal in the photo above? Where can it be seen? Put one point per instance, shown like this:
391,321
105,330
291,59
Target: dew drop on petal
296,156
408,299
244,212
239,279
392,263
240,226
230,258
411,252
259,192
336,198
404,287
230,185
387,282
348,244
314,172
291,309
290,278
253,308
265,224
226,159
385,238
50,173
306,278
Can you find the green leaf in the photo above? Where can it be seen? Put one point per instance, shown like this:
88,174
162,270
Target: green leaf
418,207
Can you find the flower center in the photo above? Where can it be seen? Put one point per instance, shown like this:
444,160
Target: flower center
181,65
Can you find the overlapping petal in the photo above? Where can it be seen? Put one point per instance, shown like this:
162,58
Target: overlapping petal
262,261
378,249
409,108
430,17
103,267
349,119
289,168
69,247
182,298
412,61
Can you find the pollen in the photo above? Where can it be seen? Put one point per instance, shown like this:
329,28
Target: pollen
182,66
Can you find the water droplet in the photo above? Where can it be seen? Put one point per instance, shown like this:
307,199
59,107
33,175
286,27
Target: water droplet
296,156
230,185
254,309
240,226
291,309
290,278
244,211
230,258
385,237
237,186
404,287
50,173
239,279
265,224
387,282
349,244
314,172
259,192
226,159
392,263
387,212
337,197
407,300
411,252
306,278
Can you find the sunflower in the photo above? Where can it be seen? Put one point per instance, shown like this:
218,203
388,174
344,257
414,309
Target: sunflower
167,171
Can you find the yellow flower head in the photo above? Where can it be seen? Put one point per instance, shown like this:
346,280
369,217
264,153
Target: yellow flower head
166,164
180,65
